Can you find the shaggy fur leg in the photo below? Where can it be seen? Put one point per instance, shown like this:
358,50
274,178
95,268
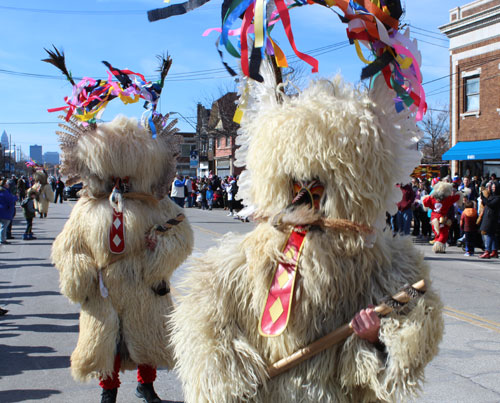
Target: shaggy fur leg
439,247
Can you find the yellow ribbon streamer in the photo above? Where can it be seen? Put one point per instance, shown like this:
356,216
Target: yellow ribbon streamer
360,53
259,23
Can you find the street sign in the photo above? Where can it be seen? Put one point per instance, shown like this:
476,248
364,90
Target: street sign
194,159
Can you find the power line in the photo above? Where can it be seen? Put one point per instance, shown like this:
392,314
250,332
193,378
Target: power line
426,30
431,43
481,79
86,12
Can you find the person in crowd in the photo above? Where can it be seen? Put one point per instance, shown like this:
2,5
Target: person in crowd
59,190
469,227
210,197
491,202
416,207
52,182
224,184
405,214
28,205
467,184
194,192
218,198
425,190
454,214
21,188
7,209
231,190
12,185
177,192
203,193
189,191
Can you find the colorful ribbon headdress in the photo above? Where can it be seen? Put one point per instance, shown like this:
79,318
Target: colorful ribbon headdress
371,23
91,96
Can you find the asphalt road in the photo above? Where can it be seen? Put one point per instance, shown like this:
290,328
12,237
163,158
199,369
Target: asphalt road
39,333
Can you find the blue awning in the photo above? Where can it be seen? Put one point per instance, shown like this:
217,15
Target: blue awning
473,150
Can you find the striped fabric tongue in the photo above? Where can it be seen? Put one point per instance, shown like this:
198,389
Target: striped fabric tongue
277,308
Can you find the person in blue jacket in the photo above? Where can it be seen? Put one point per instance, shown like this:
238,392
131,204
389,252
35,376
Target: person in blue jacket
7,209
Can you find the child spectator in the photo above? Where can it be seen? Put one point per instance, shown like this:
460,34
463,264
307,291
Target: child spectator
469,227
28,206
210,197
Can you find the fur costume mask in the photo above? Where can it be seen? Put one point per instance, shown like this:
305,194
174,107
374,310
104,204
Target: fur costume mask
355,147
94,154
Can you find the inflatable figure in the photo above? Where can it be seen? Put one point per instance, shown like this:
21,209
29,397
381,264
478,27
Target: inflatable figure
118,250
321,169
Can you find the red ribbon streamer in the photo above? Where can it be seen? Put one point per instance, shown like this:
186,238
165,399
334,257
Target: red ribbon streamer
247,20
285,17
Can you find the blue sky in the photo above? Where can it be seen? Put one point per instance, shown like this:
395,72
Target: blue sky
121,34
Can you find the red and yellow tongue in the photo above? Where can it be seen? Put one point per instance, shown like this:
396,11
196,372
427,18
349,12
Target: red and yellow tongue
277,308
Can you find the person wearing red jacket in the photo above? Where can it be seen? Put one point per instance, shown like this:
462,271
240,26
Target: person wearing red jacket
440,201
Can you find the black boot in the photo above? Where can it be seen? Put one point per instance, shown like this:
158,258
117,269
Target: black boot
146,392
109,395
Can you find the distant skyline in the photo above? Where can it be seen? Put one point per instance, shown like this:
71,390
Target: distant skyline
118,31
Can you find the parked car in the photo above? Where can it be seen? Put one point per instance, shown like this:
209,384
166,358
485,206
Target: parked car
71,192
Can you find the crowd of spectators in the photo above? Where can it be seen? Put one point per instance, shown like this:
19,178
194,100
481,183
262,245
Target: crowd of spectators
475,221
206,193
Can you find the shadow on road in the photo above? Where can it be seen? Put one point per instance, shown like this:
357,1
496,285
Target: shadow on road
40,328
28,294
12,396
18,359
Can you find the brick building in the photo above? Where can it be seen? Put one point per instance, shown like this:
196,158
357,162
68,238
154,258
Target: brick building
223,131
188,144
474,33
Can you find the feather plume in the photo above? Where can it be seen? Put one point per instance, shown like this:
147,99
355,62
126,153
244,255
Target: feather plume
165,64
57,59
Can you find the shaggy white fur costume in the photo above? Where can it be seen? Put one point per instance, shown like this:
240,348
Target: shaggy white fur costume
45,195
358,147
133,315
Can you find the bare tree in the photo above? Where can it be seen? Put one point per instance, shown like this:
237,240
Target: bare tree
435,141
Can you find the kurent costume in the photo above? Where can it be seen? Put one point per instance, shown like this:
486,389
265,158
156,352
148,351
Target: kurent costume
321,168
118,250
44,192
440,201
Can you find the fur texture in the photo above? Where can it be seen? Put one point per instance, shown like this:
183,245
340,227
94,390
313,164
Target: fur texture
44,192
132,319
355,145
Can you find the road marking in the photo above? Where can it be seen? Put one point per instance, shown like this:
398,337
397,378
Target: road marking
472,319
207,230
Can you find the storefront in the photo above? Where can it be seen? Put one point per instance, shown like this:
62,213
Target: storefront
223,167
475,158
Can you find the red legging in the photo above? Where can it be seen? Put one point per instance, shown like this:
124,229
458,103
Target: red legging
145,374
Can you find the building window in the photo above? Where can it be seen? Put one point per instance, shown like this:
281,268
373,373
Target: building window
218,142
471,94
185,150
227,141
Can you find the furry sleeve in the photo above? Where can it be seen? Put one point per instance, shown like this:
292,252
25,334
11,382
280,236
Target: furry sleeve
411,341
215,360
78,276
172,247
